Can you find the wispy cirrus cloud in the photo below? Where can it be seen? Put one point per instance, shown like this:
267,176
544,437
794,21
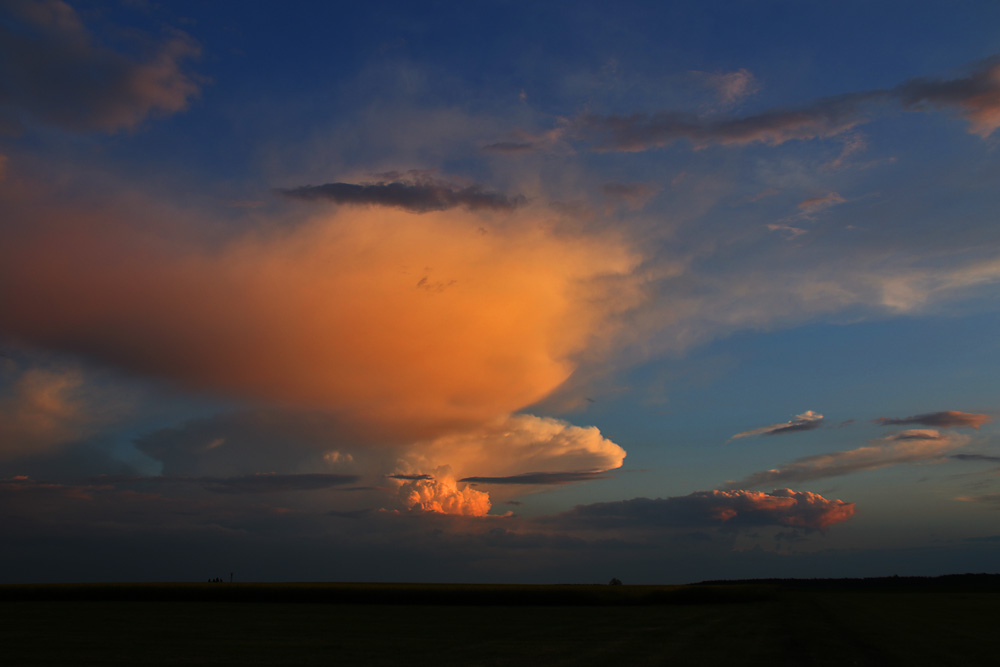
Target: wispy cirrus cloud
734,508
420,193
943,419
913,446
813,205
53,70
976,97
807,421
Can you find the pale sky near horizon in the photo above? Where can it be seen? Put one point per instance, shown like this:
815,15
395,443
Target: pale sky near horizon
499,291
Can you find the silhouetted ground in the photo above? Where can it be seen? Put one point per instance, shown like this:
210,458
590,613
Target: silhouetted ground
906,621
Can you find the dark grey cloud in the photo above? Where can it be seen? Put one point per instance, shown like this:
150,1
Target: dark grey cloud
736,508
250,441
271,483
411,478
53,70
944,419
976,457
538,478
420,195
257,483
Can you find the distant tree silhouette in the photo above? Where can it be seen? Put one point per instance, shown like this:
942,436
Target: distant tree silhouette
615,581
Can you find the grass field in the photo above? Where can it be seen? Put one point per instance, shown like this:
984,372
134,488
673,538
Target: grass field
762,623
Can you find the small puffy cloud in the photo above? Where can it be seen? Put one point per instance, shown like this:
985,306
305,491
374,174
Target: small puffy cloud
943,419
735,508
419,194
806,421
913,446
53,70
731,87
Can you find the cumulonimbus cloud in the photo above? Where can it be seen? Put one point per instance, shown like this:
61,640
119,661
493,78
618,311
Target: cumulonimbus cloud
806,421
420,195
735,508
395,320
943,419
913,446
53,70
440,493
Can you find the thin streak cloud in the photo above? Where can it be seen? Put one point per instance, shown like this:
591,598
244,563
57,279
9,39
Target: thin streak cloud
417,196
943,419
913,446
807,421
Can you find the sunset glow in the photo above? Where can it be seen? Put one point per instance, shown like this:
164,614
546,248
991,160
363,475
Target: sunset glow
498,292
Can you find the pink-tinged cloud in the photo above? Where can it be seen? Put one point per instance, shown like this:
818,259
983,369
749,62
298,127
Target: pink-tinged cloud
43,408
913,446
807,421
943,419
814,205
415,323
54,71
731,87
989,498
731,509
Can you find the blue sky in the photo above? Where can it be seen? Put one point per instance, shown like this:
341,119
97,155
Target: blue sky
487,291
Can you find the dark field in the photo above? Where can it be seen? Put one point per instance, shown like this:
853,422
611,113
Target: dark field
941,621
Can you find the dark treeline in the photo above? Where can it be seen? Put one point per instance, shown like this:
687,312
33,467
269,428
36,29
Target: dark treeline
706,592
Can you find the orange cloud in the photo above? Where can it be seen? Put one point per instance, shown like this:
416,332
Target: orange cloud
520,444
440,494
412,323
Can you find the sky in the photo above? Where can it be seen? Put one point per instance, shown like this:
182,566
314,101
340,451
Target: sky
498,291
